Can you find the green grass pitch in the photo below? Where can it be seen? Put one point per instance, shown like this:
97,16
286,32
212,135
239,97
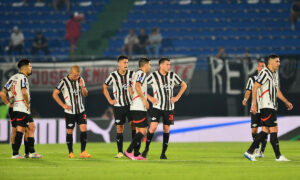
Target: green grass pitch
185,161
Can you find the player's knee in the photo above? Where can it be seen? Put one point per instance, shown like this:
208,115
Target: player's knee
120,128
254,130
83,127
20,129
31,127
69,131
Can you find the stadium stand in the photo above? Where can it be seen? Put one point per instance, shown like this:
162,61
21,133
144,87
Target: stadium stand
31,19
201,27
197,27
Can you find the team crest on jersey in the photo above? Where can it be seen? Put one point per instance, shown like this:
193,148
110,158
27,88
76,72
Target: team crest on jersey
258,77
7,86
140,78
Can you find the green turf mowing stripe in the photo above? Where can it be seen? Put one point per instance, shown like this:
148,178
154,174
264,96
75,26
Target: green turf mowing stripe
295,138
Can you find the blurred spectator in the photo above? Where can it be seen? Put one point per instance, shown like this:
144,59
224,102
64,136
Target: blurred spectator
39,3
59,4
16,42
39,44
247,55
108,114
130,43
143,39
295,14
154,43
221,54
73,30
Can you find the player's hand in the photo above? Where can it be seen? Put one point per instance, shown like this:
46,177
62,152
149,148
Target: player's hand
174,100
244,102
154,101
289,106
254,109
81,83
27,105
113,102
146,104
67,107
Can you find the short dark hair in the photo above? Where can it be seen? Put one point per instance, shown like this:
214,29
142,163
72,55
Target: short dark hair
272,56
23,62
162,60
120,58
143,61
260,61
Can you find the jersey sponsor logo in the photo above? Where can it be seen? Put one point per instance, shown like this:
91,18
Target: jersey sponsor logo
125,86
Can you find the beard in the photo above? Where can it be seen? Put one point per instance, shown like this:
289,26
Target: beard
29,73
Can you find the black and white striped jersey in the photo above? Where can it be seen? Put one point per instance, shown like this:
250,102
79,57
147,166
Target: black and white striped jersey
163,87
121,85
269,86
15,85
72,94
249,86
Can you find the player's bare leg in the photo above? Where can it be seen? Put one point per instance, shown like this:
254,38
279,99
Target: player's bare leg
119,139
83,140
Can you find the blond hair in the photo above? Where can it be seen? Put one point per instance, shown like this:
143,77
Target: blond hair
75,68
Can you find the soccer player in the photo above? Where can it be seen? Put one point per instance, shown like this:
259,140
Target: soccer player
139,108
73,88
121,82
268,83
163,82
21,109
13,121
255,118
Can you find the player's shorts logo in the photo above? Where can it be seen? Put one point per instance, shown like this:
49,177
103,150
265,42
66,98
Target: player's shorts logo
254,125
118,120
153,118
70,125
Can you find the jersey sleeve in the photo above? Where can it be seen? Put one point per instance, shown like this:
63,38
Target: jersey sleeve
60,85
249,85
109,80
8,84
262,77
150,79
24,82
141,77
177,79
